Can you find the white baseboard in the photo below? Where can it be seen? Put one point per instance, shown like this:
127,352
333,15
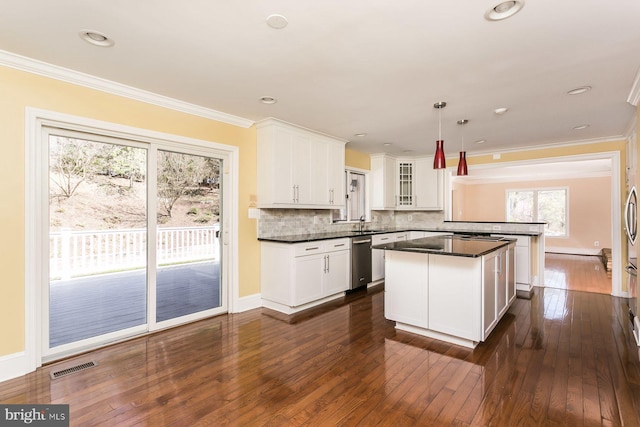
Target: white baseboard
247,303
13,366
572,251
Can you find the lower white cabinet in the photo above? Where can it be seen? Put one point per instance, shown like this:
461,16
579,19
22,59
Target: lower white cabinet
453,298
406,298
522,260
295,276
377,255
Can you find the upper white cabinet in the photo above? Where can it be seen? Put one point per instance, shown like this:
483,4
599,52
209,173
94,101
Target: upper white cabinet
429,185
406,183
298,168
383,182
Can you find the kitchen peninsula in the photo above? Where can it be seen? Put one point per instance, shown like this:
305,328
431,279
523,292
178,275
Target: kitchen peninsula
452,288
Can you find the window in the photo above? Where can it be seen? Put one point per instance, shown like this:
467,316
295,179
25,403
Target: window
356,197
545,205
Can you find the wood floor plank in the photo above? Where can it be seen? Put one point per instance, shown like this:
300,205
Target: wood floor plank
561,358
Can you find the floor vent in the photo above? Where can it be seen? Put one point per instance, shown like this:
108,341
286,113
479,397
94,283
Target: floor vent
72,370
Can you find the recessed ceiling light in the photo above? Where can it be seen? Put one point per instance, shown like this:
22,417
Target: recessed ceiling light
481,141
277,22
96,38
580,127
360,135
387,144
500,111
268,100
504,10
579,90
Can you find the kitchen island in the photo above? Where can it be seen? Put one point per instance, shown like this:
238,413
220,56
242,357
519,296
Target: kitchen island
452,288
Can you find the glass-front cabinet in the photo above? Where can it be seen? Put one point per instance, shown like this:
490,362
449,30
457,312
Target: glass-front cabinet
405,184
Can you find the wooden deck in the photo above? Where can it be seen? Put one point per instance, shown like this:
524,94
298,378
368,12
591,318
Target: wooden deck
561,358
94,305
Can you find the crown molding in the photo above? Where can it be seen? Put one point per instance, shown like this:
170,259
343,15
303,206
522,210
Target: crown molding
634,94
44,69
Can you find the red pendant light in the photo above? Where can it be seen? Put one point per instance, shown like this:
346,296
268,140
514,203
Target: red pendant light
462,162
439,161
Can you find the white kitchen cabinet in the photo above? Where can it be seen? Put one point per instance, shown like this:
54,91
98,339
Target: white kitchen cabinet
522,260
406,183
297,276
462,294
383,182
489,292
406,298
498,288
298,168
405,178
377,255
429,185
455,296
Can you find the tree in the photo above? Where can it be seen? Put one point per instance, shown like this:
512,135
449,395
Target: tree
180,173
71,163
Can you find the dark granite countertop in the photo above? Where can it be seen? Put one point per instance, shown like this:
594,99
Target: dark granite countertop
447,245
310,237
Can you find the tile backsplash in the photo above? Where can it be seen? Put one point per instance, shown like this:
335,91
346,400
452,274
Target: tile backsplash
284,222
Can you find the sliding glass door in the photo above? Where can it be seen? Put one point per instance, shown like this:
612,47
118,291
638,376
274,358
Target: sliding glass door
133,236
188,215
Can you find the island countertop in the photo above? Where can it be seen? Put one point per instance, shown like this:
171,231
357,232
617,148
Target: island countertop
447,245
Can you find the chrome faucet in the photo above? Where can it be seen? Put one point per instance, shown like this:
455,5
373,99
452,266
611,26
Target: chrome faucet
361,222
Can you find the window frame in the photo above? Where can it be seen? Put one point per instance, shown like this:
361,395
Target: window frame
535,219
367,211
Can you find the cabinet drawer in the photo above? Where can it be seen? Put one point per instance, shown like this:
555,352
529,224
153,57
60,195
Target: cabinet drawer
337,245
309,248
381,239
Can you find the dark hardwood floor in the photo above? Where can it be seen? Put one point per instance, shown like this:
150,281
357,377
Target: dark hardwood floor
576,273
561,358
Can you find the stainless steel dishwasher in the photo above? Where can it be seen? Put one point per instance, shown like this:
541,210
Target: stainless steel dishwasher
360,261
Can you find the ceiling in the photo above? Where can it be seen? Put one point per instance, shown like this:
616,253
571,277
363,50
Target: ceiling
362,66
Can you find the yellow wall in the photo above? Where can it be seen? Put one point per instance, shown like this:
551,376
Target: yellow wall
356,159
20,90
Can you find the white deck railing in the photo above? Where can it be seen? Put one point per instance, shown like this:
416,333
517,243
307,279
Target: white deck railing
79,253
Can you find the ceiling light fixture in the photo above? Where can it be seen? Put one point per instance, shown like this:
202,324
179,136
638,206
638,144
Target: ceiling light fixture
500,111
96,38
277,22
439,161
268,100
579,90
462,162
580,127
360,135
481,141
504,10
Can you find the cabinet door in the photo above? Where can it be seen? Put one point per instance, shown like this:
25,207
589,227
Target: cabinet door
337,273
405,179
511,273
454,296
309,274
336,175
407,288
301,147
377,255
383,182
429,185
489,315
523,274
282,153
501,283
